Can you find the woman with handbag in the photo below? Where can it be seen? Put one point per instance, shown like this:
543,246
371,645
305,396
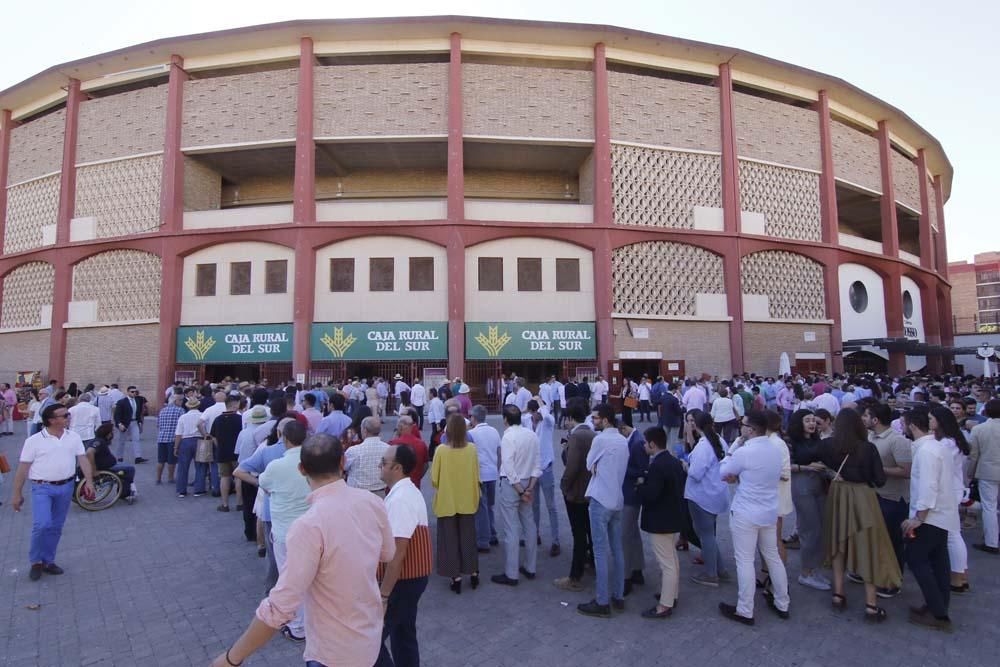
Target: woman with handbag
630,400
187,436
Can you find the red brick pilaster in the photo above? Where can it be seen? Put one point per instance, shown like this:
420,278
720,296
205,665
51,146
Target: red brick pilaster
304,195
730,163
890,227
172,184
926,238
827,182
603,211
456,213
6,124
942,236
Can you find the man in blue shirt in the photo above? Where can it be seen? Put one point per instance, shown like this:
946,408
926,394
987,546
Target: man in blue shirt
336,422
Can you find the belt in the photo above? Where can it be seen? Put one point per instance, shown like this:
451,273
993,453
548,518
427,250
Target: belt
57,483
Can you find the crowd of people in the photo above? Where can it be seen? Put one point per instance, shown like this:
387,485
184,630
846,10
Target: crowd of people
875,473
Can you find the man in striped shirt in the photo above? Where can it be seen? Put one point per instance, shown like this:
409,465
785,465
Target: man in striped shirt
166,427
405,576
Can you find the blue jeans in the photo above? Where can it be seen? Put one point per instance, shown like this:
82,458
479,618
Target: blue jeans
485,520
547,484
49,506
213,475
704,525
400,626
185,455
606,532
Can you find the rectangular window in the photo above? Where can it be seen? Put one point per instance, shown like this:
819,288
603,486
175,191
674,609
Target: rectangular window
991,303
491,274
239,278
421,274
991,317
988,276
204,281
988,290
276,276
380,274
529,274
342,274
568,275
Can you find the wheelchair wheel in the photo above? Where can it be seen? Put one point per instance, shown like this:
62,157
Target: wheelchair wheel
107,490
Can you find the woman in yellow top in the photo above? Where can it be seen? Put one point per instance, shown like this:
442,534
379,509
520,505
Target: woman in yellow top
455,475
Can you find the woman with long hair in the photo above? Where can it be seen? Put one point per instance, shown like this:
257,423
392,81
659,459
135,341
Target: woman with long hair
854,533
945,428
72,390
724,415
706,494
455,475
808,496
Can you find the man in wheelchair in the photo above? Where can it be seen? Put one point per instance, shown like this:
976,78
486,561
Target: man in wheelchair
101,458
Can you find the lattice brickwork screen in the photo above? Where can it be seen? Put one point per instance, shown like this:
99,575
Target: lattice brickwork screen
788,197
26,290
30,206
124,283
663,278
123,195
793,283
660,188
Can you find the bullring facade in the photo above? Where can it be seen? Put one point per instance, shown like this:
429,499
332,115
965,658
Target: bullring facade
461,196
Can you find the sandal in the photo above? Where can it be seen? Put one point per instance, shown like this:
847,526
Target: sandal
839,602
875,614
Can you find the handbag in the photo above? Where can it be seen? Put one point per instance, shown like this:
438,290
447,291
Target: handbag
205,452
4,464
631,402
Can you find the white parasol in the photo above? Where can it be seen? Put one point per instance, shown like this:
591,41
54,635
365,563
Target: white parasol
784,365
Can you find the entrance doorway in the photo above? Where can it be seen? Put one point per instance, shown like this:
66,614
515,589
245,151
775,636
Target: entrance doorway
635,368
865,362
216,372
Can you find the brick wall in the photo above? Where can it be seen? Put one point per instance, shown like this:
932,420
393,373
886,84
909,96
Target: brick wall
126,355
964,303
36,147
120,125
905,180
504,100
202,186
368,100
30,206
704,346
24,351
663,112
855,156
259,106
763,344
776,132
124,195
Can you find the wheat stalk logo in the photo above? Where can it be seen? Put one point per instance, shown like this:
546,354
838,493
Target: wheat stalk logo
493,342
199,345
338,345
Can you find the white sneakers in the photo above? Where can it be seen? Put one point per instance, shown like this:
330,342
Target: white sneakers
816,581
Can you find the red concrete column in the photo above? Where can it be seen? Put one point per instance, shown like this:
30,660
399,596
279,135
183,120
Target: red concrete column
172,278
932,325
456,303
67,181
304,190
603,197
304,304
172,183
827,181
939,202
890,228
456,157
734,304
894,316
62,293
831,282
6,124
730,163
926,239
603,300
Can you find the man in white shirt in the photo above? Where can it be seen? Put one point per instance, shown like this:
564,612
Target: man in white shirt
487,442
540,420
558,399
519,473
754,515
933,513
984,466
694,398
418,396
521,395
189,430
598,391
207,419
827,401
84,419
363,462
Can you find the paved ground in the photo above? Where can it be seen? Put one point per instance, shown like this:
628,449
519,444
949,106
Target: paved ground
172,582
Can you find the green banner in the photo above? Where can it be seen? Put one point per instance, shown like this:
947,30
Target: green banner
246,343
390,341
530,340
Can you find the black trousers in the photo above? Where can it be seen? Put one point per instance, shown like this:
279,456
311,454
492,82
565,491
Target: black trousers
895,512
627,415
927,556
583,545
557,413
249,497
644,409
400,626
420,416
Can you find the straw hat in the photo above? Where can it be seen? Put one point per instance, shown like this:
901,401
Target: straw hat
192,403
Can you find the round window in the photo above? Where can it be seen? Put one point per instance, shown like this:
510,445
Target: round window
907,304
858,296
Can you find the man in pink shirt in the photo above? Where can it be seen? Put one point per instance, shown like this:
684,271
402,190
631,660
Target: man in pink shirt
335,561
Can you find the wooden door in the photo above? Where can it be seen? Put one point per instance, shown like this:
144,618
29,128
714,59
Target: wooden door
672,370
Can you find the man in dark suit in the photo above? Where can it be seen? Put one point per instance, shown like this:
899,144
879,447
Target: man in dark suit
128,412
661,492
574,483
671,412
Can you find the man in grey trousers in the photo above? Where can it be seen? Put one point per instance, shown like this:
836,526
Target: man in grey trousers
519,473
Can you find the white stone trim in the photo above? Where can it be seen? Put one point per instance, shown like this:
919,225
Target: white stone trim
118,159
374,138
785,321
20,329
810,355
680,318
782,165
658,147
35,178
240,145
97,325
862,188
545,141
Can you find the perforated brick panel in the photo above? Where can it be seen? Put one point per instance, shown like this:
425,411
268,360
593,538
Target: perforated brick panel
120,125
905,180
369,100
25,290
124,195
660,188
663,112
30,206
776,132
36,147
855,156
792,282
124,283
663,278
259,106
506,100
788,197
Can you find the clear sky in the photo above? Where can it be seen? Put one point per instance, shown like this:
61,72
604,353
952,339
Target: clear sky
935,61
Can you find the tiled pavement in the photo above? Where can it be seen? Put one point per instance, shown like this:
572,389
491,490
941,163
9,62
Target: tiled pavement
171,582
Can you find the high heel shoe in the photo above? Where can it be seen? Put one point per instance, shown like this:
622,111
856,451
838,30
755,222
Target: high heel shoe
474,580
456,586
